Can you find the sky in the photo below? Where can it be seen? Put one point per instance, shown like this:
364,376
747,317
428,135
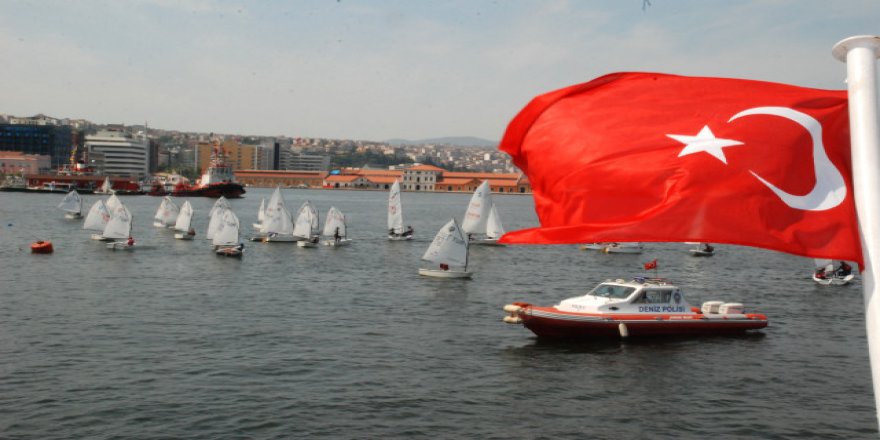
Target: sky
377,70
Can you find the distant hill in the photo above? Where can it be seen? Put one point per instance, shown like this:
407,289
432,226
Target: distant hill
461,141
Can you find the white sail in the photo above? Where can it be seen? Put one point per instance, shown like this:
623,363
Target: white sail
72,202
303,227
335,219
184,219
824,263
277,220
449,246
215,223
167,213
219,205
97,217
494,229
227,233
113,202
478,210
261,213
119,226
395,209
106,187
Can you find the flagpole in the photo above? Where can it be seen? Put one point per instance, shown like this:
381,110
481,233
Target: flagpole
860,54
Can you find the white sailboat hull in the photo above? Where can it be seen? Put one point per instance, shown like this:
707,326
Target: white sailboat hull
400,237
438,273
183,236
341,243
72,215
834,280
306,244
623,250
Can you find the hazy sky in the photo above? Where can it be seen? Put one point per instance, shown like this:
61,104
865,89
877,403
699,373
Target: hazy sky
376,70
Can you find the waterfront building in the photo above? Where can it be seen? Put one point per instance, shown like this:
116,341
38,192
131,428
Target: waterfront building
55,141
238,156
16,162
285,179
118,153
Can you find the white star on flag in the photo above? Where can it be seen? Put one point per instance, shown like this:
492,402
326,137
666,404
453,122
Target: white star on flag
704,141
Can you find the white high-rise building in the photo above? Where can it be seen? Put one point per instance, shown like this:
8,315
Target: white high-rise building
120,153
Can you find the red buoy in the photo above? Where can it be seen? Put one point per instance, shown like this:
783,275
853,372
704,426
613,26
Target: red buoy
42,247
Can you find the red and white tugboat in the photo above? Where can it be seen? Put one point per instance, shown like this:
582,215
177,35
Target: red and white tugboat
641,307
217,181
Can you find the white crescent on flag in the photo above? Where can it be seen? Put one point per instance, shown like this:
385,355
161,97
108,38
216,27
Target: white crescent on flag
830,188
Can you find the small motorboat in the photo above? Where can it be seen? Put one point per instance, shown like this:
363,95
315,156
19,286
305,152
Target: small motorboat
593,246
640,307
623,248
42,247
827,275
705,250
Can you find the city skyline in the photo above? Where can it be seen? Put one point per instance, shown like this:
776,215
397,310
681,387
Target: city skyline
390,69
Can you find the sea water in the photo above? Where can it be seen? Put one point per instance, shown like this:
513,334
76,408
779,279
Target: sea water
171,341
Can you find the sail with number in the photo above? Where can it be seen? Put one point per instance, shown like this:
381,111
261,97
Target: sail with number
395,210
167,213
98,216
119,226
227,233
478,210
184,219
449,246
71,203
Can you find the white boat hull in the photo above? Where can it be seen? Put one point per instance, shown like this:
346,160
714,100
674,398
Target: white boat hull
182,236
701,253
834,280
400,237
592,247
341,243
306,244
438,273
229,252
622,250
276,239
72,215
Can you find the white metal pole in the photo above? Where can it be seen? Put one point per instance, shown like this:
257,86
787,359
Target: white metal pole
860,54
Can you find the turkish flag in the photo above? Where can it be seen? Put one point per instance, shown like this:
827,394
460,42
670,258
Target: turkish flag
655,157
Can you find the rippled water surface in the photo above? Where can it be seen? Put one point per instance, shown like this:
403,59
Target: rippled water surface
170,341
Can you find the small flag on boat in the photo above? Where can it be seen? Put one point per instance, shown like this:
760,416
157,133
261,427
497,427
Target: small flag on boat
651,265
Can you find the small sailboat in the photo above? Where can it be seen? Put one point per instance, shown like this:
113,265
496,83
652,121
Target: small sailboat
396,232
183,226
827,275
261,215
71,204
481,211
704,250
166,215
334,229
305,228
106,187
450,250
118,229
220,204
112,203
97,219
226,239
215,216
277,223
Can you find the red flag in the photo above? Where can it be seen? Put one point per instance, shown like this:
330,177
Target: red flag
654,157
651,264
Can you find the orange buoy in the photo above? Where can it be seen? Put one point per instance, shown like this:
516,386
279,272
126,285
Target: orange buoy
42,247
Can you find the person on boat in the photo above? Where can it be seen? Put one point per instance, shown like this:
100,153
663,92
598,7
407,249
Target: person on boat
409,231
708,248
336,236
844,269
240,247
191,232
444,266
820,273
130,241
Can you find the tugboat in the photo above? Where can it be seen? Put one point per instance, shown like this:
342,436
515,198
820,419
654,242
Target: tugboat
217,181
641,307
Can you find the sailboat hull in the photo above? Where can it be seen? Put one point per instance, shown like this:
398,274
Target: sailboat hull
341,243
73,215
182,236
834,280
400,237
437,273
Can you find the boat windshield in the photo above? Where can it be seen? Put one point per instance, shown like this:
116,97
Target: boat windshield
612,291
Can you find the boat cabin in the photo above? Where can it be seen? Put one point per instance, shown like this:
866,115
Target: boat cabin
640,295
